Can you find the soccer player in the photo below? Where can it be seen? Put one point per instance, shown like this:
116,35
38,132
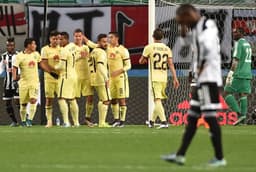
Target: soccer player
119,63
10,89
67,83
205,96
159,56
84,87
99,77
27,61
51,55
239,76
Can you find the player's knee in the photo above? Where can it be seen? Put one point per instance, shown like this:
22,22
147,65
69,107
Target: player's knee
32,101
122,102
106,102
114,101
48,101
89,99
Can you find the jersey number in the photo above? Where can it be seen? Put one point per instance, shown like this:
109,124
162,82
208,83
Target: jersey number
160,64
248,51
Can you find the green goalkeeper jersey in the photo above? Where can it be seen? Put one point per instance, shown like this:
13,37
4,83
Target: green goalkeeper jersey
243,52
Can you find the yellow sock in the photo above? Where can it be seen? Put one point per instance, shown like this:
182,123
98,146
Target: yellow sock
88,110
103,109
64,110
160,110
23,112
74,111
32,111
48,113
123,110
115,110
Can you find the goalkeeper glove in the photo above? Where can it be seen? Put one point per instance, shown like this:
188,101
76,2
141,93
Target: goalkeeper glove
54,75
229,78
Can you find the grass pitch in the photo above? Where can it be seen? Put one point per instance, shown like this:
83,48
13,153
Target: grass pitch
133,149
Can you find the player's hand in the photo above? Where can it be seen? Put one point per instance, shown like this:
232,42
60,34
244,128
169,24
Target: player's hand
85,39
54,75
143,61
229,78
83,54
176,83
107,83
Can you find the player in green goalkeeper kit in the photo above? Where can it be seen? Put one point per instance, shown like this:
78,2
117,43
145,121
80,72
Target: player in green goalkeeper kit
239,76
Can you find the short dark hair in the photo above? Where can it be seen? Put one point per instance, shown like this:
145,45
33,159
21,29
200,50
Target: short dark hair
114,33
78,30
65,35
10,39
158,34
28,41
240,30
185,9
54,33
100,36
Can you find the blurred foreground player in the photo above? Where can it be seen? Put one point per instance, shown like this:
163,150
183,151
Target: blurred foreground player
205,96
10,89
160,57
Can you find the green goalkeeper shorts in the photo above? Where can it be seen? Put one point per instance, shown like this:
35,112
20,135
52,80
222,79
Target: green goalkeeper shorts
239,86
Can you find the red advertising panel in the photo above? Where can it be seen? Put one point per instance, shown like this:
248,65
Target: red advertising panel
131,22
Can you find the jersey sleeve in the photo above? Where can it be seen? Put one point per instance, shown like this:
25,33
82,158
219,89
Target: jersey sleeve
63,54
16,61
2,65
92,44
44,53
38,57
146,51
237,50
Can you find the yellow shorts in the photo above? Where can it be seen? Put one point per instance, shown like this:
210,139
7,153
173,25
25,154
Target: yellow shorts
67,88
27,93
158,89
84,88
103,93
51,89
119,88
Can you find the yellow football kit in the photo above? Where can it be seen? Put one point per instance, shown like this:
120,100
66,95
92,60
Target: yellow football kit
158,54
119,58
52,55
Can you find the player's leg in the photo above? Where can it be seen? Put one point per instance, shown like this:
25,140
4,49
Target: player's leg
50,89
229,92
104,101
7,97
114,102
74,112
123,110
88,92
24,100
123,87
64,111
193,114
33,95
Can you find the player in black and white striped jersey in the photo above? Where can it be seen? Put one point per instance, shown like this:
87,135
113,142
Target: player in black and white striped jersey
10,91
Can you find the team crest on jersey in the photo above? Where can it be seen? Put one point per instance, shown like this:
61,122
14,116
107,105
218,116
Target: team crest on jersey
31,64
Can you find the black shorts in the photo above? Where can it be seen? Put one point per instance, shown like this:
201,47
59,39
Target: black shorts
205,98
10,94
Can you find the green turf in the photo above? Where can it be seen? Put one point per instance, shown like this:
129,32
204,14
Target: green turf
133,149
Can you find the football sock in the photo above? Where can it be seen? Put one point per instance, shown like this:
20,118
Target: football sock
215,134
23,113
158,111
32,111
232,103
64,110
188,135
48,113
10,110
123,110
102,108
115,110
74,111
88,110
243,105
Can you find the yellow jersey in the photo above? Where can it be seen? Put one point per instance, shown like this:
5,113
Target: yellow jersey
98,67
67,56
81,64
52,55
118,58
158,54
28,65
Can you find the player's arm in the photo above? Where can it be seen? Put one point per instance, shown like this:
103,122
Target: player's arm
126,65
2,65
89,42
173,71
145,55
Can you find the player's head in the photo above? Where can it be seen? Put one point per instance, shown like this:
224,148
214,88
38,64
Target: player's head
238,33
78,37
103,40
10,45
64,39
158,34
53,38
30,44
113,38
188,15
